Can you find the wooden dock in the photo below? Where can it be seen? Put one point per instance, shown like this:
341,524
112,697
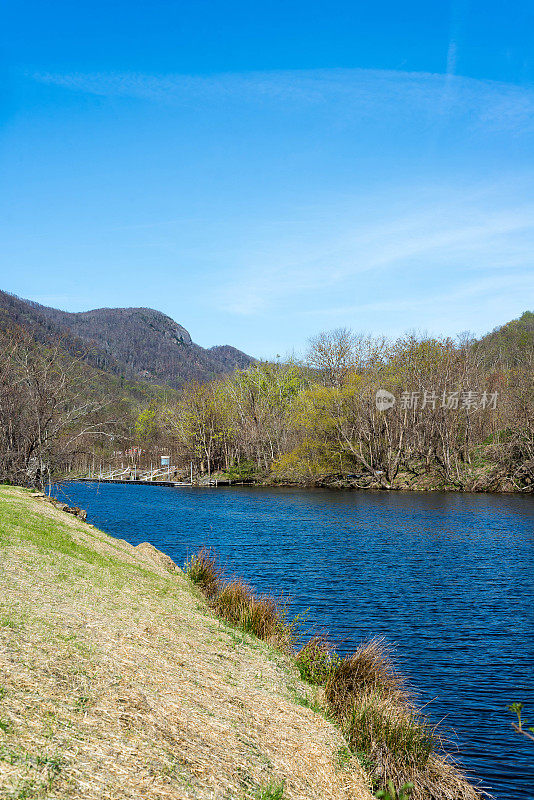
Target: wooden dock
127,480
165,476
210,484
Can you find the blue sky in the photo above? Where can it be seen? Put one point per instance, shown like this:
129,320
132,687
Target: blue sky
263,171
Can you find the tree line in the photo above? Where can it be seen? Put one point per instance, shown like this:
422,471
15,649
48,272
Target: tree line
446,413
367,411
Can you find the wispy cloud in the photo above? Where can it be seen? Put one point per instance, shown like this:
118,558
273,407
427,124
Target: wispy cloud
448,238
438,302
458,14
316,256
354,91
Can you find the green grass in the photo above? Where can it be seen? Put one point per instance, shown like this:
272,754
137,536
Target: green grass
46,767
343,757
12,620
306,701
5,726
47,535
273,791
316,660
61,661
53,539
392,794
202,570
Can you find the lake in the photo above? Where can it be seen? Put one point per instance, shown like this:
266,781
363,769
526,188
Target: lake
447,578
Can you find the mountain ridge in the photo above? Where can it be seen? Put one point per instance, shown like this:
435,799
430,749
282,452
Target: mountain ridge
138,342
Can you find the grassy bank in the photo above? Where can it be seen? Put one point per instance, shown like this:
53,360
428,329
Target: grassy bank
118,681
120,677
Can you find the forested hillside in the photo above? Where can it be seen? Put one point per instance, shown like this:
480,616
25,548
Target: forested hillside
137,343
509,345
72,385
56,407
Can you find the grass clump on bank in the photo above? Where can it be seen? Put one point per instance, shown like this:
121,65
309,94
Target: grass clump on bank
236,602
363,692
203,570
316,660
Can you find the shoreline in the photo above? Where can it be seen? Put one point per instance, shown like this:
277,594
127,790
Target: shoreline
107,607
334,486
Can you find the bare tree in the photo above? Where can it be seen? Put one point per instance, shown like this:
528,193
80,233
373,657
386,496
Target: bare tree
45,409
332,353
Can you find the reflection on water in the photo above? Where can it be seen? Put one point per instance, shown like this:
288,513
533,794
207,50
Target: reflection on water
447,578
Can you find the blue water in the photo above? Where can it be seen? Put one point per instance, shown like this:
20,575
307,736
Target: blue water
446,578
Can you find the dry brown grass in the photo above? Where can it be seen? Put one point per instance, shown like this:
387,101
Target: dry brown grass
261,615
235,601
379,717
369,668
205,572
118,683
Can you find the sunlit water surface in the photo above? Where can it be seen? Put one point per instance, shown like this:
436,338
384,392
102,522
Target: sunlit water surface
446,578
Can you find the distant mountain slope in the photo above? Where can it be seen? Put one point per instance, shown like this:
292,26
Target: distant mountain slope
230,358
137,342
28,316
510,345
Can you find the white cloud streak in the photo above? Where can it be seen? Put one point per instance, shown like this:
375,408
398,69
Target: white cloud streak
465,291
325,252
355,91
450,238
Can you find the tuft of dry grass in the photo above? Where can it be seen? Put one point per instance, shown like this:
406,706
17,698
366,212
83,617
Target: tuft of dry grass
204,571
235,601
379,719
369,668
263,616
399,741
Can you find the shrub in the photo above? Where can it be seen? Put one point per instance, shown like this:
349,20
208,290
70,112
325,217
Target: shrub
369,668
244,471
202,569
316,660
264,616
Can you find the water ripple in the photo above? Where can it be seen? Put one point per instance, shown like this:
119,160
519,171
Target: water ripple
446,578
